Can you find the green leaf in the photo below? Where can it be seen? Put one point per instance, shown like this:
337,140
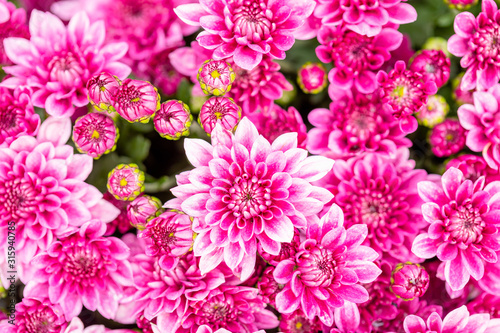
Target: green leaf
136,147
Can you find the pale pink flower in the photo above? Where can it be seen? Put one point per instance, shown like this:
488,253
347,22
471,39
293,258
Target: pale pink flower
215,77
447,138
243,190
82,269
409,281
463,231
12,24
17,116
219,110
142,210
365,17
247,29
95,134
355,57
35,316
328,269
433,64
126,182
475,42
135,100
55,70
312,78
173,119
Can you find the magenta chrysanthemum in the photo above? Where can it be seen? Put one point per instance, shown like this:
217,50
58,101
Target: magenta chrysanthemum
473,167
246,29
464,218
17,116
219,110
126,182
354,123
433,112
404,92
95,134
142,210
215,77
447,138
356,57
380,192
135,101
12,24
312,78
56,71
434,65
243,190
173,120
409,281
83,269
476,42
35,316
327,269
100,87
365,17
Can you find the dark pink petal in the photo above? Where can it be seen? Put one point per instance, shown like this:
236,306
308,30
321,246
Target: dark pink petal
468,117
213,23
473,263
488,77
347,317
447,251
402,13
283,42
465,25
208,40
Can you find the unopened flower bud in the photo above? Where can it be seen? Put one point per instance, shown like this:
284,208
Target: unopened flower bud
95,134
173,120
215,77
126,182
409,281
220,110
142,210
312,78
136,101
100,88
433,112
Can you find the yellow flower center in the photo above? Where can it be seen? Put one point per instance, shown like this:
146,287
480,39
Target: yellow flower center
95,135
123,182
215,74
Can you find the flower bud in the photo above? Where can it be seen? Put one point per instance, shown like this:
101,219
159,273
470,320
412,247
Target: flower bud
173,120
216,77
135,101
220,110
447,138
126,182
95,134
433,112
142,210
312,78
409,281
99,88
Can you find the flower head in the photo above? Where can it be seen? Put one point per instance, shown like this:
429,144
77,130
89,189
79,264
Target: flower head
434,65
433,112
327,269
473,167
17,116
168,237
100,88
55,70
447,138
476,42
215,77
312,78
135,101
12,24
126,182
246,29
83,269
219,110
404,92
35,316
95,134
245,190
173,120
409,281
463,229
142,210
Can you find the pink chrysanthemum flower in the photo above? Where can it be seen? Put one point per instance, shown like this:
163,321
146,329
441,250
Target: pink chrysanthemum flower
100,87
459,95
42,190
460,4
17,116
475,42
297,322
409,281
355,57
126,182
463,231
482,122
247,29
276,121
380,192
168,237
95,134
404,92
312,78
434,65
365,17
243,190
83,269
433,112
257,89
447,138
173,120
142,210
12,24
219,110
473,167
215,77
56,71
354,123
327,270
135,101
35,316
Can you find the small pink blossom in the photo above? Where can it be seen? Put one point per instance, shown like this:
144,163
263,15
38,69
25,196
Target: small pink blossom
433,112
126,182
17,116
434,66
219,110
142,210
312,78
215,77
100,87
34,316
95,134
173,119
409,281
135,101
447,138
246,29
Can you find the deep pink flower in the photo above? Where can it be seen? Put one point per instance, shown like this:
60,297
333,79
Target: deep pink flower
409,281
473,167
464,218
142,210
365,17
312,78
56,70
475,42
380,192
83,269
243,190
404,92
460,4
276,121
219,110
434,65
354,123
247,29
17,116
35,316
95,134
433,112
100,87
355,57
327,270
42,190
126,182
12,24
297,322
447,138
173,120
215,77
135,100
257,89
168,237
